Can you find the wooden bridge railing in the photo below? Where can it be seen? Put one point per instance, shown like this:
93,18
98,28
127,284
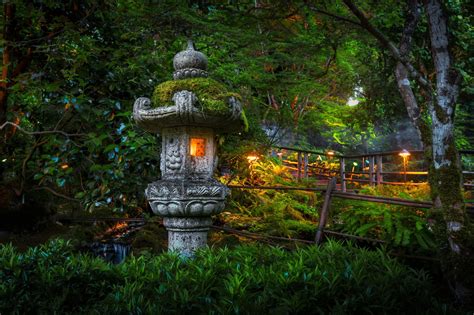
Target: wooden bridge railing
330,192
373,174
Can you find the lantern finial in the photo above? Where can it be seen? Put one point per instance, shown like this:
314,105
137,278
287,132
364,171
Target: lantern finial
190,63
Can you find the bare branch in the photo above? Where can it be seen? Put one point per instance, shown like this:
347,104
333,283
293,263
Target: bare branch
337,17
37,144
46,132
54,192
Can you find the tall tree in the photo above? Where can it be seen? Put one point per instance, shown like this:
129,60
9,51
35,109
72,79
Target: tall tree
439,97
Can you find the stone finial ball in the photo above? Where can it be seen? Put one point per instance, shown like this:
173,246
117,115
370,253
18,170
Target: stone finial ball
190,59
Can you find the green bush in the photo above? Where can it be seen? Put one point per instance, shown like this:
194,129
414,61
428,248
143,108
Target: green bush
334,279
289,213
399,225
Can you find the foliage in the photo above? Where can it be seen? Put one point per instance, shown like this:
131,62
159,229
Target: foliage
331,279
77,67
399,225
283,213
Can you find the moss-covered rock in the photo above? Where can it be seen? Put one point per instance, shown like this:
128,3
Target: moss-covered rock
213,96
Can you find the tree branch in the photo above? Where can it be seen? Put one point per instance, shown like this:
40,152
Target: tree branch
386,43
37,144
401,72
54,192
337,17
46,132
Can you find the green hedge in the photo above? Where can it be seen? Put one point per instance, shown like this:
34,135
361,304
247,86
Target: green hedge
334,278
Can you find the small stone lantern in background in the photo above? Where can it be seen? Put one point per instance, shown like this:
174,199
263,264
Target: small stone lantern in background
187,195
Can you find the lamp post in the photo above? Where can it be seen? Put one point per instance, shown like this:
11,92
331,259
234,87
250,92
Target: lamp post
186,195
404,154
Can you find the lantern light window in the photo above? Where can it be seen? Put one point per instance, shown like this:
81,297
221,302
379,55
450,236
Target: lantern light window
197,147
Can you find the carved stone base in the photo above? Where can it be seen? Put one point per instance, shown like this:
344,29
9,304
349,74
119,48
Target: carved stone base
186,235
186,198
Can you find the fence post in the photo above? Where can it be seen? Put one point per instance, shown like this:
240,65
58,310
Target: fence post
298,172
371,170
342,173
379,170
306,165
325,210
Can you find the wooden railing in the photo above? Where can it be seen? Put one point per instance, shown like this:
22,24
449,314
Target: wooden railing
372,174
331,192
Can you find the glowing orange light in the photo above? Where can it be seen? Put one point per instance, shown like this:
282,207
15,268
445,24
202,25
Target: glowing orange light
330,153
252,158
197,147
116,227
64,166
404,153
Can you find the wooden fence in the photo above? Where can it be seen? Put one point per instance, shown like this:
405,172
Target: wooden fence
371,169
331,192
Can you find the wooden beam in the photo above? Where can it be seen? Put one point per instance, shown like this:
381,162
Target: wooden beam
379,176
342,173
305,164
325,210
371,170
299,166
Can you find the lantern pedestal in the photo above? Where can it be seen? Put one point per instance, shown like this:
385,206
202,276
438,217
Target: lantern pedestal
185,235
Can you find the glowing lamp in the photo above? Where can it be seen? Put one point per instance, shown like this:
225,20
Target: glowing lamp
252,158
404,153
197,147
64,166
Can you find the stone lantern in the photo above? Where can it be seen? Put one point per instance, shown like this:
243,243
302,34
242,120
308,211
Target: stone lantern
186,195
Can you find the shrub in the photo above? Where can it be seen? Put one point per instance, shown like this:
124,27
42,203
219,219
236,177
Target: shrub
282,213
399,225
334,278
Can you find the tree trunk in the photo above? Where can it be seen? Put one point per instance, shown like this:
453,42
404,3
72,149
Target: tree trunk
446,178
445,170
9,14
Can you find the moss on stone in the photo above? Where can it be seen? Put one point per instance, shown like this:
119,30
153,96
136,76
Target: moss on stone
212,95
